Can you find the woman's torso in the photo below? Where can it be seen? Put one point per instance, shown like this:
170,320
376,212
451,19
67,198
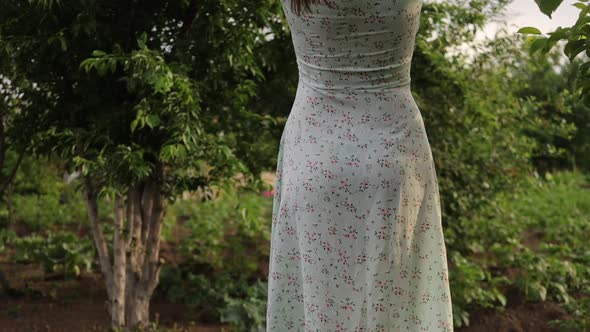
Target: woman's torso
355,45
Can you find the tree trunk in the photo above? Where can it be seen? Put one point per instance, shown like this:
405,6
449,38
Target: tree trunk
134,273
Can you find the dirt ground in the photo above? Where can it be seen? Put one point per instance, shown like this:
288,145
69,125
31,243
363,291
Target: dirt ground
54,305
79,305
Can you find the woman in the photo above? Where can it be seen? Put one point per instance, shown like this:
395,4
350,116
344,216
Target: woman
357,242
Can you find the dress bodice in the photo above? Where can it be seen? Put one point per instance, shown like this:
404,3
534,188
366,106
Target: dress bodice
355,44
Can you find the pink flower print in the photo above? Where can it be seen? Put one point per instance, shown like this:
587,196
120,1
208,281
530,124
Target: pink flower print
312,139
414,157
329,109
348,305
284,211
352,96
364,185
398,291
291,230
405,202
361,258
446,326
345,77
322,317
312,121
384,163
382,96
360,217
403,273
351,27
416,274
351,136
388,143
308,185
385,213
326,246
327,174
383,284
387,117
402,148
311,236
334,159
291,279
332,230
350,207
384,184
348,279
375,19
276,276
313,101
312,165
346,118
381,234
325,22
353,161
427,297
417,202
378,307
365,118
379,44
443,275
294,257
343,256
344,185
425,227
364,76
351,233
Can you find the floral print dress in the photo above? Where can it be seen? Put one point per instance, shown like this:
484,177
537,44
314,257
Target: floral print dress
357,243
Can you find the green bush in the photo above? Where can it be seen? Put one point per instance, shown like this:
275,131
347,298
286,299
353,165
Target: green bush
230,233
63,253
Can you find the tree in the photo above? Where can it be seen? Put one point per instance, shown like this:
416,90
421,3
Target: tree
575,36
146,101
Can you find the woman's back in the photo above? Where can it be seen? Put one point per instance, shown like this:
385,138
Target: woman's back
355,44
357,243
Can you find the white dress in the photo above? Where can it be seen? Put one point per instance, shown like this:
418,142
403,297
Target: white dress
357,243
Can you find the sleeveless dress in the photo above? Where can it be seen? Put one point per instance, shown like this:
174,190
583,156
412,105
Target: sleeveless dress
356,241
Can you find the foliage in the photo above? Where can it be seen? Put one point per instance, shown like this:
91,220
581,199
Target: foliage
42,198
575,37
536,237
473,285
220,297
63,253
249,313
477,128
7,236
230,233
143,96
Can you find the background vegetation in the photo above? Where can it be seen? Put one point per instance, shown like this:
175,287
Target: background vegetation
509,130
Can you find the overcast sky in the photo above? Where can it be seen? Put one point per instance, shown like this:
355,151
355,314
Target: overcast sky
522,13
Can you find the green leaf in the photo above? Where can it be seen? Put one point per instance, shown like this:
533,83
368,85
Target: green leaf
529,30
538,44
152,120
547,7
98,53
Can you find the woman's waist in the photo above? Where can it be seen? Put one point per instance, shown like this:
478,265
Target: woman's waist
340,78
